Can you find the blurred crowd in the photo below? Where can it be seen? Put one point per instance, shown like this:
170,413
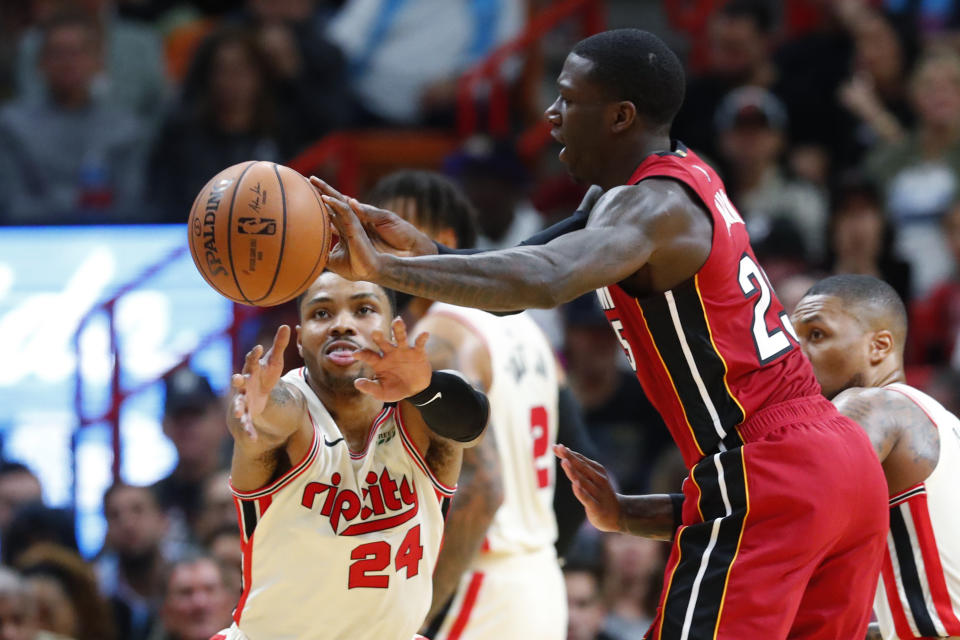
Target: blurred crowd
835,125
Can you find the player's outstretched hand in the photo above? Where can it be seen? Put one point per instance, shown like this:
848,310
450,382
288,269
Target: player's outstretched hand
252,386
400,370
592,486
354,257
389,232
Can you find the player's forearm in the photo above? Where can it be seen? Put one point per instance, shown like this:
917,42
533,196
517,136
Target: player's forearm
650,516
518,278
479,495
282,415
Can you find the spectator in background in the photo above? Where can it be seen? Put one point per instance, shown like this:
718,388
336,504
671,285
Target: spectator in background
224,544
877,91
68,156
311,81
217,508
194,420
740,36
860,237
129,74
585,608
130,566
919,174
404,57
64,589
18,619
751,123
632,583
227,114
18,486
33,523
626,429
935,320
196,603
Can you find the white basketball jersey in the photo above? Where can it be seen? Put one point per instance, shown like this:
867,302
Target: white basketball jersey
344,544
523,420
919,591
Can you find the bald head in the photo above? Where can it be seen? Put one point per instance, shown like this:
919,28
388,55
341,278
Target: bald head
873,302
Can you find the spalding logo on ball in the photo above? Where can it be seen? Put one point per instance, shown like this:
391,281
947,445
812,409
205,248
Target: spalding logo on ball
259,233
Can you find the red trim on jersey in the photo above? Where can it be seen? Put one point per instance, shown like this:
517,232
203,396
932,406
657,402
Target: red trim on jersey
418,459
932,565
219,636
247,562
470,599
916,402
900,623
279,483
906,494
262,505
381,417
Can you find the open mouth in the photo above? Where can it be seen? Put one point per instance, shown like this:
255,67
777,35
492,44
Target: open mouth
341,352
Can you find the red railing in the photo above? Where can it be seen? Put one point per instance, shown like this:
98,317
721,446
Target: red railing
118,394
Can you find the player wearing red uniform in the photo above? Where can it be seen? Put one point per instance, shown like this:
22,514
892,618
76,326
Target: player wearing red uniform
784,515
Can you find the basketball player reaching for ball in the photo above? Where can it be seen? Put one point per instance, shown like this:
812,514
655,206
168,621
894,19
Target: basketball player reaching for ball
784,516
853,328
498,575
341,470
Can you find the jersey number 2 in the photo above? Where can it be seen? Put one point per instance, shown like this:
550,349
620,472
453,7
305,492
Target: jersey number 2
769,344
375,556
541,446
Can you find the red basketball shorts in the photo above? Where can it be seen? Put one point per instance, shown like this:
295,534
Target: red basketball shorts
782,537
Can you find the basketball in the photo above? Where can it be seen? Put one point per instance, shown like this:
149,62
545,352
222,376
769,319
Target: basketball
259,233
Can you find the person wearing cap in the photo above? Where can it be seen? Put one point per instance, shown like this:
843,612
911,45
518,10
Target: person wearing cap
751,124
193,421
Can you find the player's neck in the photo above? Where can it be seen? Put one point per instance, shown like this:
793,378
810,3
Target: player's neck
621,162
888,375
353,412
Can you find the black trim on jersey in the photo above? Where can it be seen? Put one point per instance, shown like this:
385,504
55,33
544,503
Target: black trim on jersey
249,509
679,149
694,541
707,361
910,576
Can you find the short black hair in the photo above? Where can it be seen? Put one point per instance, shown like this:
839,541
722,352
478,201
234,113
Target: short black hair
866,296
440,202
390,293
636,65
11,467
757,11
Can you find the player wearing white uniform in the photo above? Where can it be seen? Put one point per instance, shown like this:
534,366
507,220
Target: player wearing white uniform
498,575
339,491
853,329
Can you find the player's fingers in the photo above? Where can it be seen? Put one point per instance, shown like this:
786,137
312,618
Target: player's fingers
280,341
325,189
238,381
247,422
251,359
367,356
368,386
344,219
381,341
399,331
420,344
585,498
239,405
584,460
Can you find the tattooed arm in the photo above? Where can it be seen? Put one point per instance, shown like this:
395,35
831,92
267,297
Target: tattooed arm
480,486
265,414
905,440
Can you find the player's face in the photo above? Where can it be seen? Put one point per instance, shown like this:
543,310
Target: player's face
578,116
338,317
836,343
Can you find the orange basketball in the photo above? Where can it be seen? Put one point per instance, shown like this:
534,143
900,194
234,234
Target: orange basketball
259,233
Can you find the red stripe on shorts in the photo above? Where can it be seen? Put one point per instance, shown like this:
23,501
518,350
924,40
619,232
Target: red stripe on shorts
469,600
932,565
893,597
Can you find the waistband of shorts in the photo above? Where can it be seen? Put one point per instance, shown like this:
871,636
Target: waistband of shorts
783,413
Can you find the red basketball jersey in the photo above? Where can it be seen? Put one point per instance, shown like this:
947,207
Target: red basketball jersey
719,346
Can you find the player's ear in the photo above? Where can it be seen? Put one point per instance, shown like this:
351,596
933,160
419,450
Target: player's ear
299,344
881,346
624,115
